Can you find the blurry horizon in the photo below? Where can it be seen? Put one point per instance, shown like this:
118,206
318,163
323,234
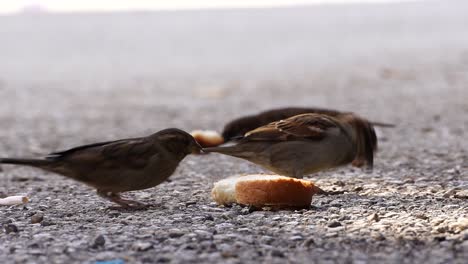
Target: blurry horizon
61,6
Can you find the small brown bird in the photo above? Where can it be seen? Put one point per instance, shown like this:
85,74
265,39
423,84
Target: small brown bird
238,127
307,143
122,165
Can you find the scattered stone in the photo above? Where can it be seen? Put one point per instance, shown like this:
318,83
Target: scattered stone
339,183
43,207
379,237
266,240
276,253
203,234
296,238
462,194
450,193
334,224
374,217
99,242
209,218
308,242
37,252
421,216
331,234
408,181
6,221
460,225
47,223
142,246
358,189
163,259
453,171
10,228
20,179
336,204
37,218
441,229
175,233
190,203
113,214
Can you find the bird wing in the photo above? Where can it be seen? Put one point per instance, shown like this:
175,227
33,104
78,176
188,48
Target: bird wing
305,126
239,126
130,153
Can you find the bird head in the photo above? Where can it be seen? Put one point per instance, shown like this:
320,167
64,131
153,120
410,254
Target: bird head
178,141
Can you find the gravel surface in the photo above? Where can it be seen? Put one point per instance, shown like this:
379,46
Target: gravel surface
78,78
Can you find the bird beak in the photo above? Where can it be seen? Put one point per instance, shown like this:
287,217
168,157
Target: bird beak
197,149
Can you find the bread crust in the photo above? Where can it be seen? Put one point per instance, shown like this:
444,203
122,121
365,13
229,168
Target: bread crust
207,138
265,190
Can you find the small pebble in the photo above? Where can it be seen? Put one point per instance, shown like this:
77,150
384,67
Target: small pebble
296,238
449,193
10,228
308,242
277,253
333,224
47,223
358,189
374,217
37,218
99,241
142,246
176,234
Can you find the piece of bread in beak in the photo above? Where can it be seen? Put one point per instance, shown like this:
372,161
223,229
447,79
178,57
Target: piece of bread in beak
261,190
207,138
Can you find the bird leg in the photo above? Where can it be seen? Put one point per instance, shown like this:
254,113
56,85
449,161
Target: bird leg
124,203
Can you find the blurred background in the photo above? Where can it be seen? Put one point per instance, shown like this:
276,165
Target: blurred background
87,70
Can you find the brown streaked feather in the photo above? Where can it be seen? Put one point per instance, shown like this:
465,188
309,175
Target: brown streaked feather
127,153
305,126
75,149
239,126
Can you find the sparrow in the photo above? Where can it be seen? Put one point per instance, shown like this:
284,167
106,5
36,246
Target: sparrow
120,166
307,143
238,127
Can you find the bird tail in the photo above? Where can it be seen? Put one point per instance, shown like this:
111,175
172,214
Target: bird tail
39,163
366,140
367,144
